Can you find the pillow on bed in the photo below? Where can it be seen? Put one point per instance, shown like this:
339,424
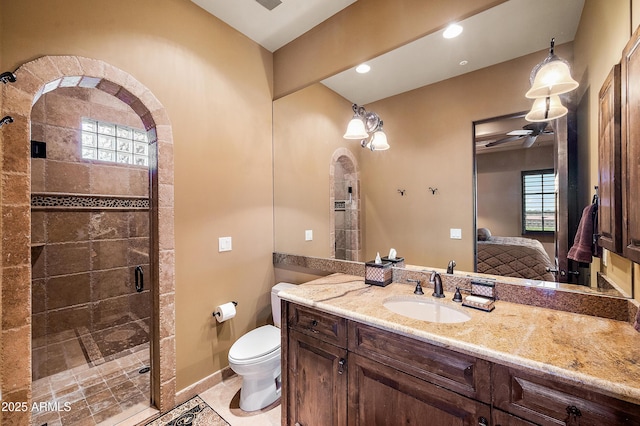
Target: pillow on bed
483,234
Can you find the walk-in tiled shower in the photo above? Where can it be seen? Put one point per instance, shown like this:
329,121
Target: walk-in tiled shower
90,256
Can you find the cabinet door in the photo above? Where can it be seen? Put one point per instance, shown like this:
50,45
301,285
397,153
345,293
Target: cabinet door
609,162
380,395
548,402
631,148
463,374
316,382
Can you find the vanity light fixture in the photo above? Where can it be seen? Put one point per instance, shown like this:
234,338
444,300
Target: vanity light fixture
367,127
549,79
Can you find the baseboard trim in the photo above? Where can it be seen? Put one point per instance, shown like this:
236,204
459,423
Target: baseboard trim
204,384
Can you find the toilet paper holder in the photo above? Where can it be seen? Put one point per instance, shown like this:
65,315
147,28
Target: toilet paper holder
234,304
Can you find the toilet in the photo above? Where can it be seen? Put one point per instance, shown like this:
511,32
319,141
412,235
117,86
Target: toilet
256,357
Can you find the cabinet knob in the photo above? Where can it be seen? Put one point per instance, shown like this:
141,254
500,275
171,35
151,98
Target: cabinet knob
573,412
341,365
314,323
482,421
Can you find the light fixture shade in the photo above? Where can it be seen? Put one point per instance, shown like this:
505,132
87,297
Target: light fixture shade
545,109
379,141
551,78
355,129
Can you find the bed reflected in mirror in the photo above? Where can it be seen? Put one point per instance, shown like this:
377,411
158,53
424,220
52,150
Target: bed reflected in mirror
526,204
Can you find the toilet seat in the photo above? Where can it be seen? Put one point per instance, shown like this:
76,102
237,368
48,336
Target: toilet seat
258,345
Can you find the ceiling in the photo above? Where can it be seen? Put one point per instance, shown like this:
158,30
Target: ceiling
274,28
507,31
511,29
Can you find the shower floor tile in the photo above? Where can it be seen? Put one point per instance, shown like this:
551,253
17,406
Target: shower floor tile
95,394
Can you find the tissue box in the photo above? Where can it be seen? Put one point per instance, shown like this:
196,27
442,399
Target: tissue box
377,273
398,262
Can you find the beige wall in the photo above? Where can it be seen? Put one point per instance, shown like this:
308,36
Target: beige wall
216,86
308,129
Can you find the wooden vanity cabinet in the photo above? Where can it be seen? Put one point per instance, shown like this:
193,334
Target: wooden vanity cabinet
609,164
339,372
378,378
630,100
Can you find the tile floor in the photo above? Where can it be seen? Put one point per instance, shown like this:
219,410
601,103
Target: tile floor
115,393
224,398
96,395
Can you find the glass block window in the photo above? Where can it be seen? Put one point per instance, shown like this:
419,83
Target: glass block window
114,143
538,201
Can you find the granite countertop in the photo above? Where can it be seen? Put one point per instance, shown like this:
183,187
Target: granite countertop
583,350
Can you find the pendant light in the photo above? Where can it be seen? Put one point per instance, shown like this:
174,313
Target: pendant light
551,77
546,109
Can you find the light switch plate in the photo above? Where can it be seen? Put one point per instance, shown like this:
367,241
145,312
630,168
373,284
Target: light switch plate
224,244
308,235
455,233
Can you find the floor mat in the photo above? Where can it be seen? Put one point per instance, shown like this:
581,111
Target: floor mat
194,412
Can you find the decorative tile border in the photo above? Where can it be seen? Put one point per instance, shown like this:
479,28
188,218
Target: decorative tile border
66,201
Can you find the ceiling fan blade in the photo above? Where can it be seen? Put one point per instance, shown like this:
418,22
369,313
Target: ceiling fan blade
529,141
537,127
503,140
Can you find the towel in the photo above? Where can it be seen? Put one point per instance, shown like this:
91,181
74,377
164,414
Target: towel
585,244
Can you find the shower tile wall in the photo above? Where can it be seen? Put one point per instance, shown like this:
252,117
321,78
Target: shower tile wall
347,234
83,260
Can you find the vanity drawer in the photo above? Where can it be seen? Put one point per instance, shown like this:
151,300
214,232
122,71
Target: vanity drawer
458,372
549,402
321,325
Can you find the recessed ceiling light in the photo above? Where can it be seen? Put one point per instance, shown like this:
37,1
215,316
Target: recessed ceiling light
453,30
464,62
363,68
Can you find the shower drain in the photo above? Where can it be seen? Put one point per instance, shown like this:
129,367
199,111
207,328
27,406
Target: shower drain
144,370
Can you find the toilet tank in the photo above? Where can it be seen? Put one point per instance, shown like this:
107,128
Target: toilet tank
275,301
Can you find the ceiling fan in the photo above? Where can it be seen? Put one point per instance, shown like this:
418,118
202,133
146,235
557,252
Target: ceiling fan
529,133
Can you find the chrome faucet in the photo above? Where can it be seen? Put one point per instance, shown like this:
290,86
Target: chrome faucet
436,280
450,266
418,289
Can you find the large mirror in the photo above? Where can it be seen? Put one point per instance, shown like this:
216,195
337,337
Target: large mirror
334,199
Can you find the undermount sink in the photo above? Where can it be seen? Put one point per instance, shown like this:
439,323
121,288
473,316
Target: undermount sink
425,310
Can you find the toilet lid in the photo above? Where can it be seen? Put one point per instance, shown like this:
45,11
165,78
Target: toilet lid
256,343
